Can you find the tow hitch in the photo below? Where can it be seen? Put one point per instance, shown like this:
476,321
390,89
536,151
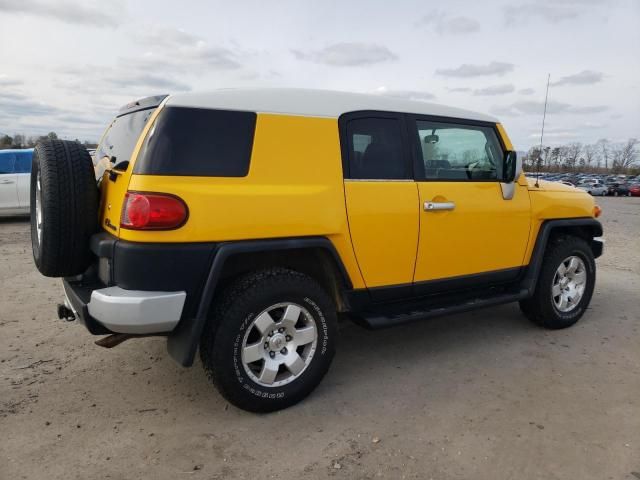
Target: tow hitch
65,313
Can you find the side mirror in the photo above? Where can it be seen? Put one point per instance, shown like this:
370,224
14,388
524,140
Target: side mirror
512,167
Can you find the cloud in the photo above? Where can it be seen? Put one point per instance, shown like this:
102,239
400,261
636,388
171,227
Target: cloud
549,11
495,90
556,135
459,89
585,77
18,106
467,70
526,91
175,48
444,24
406,94
6,81
348,54
78,12
529,107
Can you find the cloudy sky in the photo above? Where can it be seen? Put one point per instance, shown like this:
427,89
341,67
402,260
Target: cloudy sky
68,65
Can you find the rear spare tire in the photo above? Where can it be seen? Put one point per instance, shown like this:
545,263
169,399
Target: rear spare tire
64,207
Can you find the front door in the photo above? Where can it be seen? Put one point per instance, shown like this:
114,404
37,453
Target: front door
469,232
381,199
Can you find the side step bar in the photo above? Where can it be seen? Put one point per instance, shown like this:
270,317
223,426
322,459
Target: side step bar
387,316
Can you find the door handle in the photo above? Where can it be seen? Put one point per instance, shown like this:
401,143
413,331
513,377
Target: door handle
434,206
6,182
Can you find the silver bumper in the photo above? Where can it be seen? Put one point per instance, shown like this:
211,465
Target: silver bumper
136,311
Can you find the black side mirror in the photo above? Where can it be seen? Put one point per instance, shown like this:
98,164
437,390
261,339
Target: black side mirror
511,167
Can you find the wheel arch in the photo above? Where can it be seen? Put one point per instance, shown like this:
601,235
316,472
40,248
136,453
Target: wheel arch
313,256
586,228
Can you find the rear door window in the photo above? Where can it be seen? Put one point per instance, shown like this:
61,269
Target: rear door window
375,149
198,142
121,137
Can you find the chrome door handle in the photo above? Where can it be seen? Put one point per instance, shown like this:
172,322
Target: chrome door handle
433,206
6,182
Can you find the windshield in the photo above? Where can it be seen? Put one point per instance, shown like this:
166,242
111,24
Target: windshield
120,139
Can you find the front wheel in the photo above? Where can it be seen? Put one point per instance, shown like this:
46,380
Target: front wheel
565,284
270,340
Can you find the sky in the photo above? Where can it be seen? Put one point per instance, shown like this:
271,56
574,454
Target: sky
68,65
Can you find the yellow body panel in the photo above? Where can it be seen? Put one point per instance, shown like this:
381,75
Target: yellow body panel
483,233
383,236
294,188
383,221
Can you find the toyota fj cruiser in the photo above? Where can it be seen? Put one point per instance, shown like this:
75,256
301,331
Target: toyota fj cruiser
243,222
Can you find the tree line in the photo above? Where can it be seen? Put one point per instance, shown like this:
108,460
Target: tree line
600,157
23,141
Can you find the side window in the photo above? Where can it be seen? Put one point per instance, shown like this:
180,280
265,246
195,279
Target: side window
452,151
375,149
7,162
23,162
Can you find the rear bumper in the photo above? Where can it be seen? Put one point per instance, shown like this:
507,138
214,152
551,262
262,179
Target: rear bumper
115,310
138,288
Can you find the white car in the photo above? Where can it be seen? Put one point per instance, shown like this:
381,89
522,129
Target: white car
15,180
595,189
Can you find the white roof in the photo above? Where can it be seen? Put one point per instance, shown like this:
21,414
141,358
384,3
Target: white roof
313,103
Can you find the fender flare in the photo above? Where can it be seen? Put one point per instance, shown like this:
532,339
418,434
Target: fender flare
183,342
546,229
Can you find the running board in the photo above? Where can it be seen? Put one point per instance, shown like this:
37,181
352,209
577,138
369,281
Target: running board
391,315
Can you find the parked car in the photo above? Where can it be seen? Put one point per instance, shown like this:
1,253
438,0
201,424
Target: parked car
595,189
15,174
634,189
246,242
618,189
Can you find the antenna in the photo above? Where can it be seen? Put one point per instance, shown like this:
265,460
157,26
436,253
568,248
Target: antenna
544,116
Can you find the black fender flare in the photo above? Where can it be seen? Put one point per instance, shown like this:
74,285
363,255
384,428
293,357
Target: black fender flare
593,226
183,342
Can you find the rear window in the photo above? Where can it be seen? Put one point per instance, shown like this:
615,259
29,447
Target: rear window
121,137
198,142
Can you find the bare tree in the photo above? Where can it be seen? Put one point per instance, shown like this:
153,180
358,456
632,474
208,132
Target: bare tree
605,152
625,155
590,156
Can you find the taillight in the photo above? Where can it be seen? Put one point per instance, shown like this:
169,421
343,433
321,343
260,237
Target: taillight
153,211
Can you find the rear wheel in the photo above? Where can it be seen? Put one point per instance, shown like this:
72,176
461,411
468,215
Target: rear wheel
565,284
270,340
64,207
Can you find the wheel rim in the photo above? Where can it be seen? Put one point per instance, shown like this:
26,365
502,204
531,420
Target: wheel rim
38,209
569,284
279,344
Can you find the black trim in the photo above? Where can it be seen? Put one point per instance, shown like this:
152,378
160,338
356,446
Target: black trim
183,341
79,294
463,282
535,263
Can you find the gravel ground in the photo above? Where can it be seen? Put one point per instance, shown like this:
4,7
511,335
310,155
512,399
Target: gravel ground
483,395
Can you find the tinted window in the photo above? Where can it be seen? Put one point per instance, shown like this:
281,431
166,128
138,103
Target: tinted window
121,137
23,162
7,161
459,152
375,149
198,142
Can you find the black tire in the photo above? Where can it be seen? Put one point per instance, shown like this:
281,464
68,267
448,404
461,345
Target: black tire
233,313
69,207
541,308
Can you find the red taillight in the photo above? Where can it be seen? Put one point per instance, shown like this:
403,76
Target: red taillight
152,211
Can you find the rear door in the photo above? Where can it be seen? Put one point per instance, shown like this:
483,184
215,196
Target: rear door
470,234
381,200
8,183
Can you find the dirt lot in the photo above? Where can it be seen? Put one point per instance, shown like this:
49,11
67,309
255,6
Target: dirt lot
483,395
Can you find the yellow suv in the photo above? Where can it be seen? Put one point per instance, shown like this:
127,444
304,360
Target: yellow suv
244,222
